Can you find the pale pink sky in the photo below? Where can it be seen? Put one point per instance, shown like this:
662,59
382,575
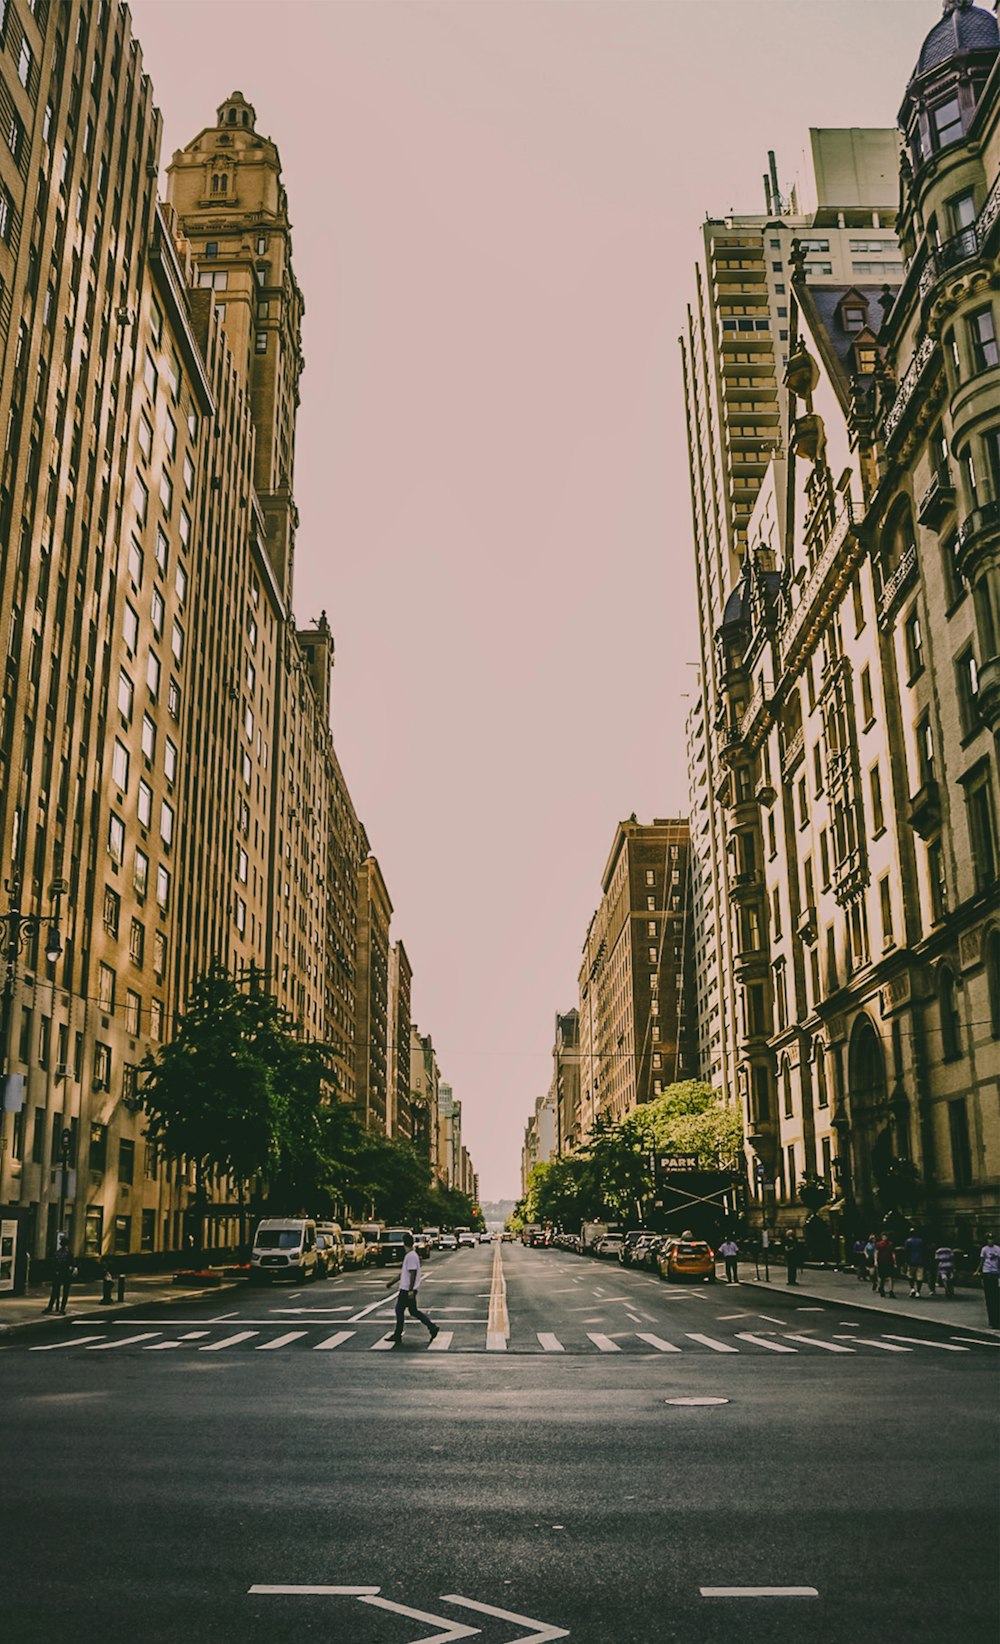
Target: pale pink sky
495,208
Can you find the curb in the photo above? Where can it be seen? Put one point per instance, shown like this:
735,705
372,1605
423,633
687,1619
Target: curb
117,1309
866,1307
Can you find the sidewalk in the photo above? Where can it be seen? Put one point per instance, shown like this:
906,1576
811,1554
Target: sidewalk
142,1291
965,1310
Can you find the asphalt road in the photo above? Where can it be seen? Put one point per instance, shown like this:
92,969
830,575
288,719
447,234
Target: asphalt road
158,1470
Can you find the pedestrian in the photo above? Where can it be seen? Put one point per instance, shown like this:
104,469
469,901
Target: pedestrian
406,1297
792,1257
944,1262
729,1251
885,1265
989,1271
870,1244
860,1259
913,1260
62,1275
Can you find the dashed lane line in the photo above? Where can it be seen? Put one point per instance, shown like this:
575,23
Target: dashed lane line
886,1346
54,1346
943,1346
124,1341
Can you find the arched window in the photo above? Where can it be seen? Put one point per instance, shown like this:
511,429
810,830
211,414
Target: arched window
232,116
866,1064
951,1026
215,185
993,980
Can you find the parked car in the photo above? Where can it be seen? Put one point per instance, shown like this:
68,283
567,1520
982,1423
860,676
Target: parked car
609,1246
629,1242
390,1250
648,1254
370,1232
284,1247
355,1247
330,1247
687,1259
448,1242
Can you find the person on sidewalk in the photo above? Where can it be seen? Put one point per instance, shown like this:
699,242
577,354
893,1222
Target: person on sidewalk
792,1258
913,1260
729,1251
944,1262
406,1296
989,1271
870,1268
885,1265
859,1259
62,1276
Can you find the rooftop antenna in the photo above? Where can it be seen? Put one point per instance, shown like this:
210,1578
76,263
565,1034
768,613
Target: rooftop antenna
775,190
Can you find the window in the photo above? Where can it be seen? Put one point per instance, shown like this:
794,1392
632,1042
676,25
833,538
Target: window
925,750
162,548
817,768
248,720
180,583
163,888
136,942
781,995
170,760
133,1011
122,1232
241,921
982,826
150,375
967,681
93,1228
824,858
145,437
112,910
188,470
116,839
875,790
156,1019
24,64
936,881
153,674
119,765
651,931
159,955
166,823
177,641
144,803
803,799
172,372
772,837
148,738
212,248
140,873
242,871
867,703
947,121
140,498
246,767
260,343
98,1146
776,912
174,699
885,903
983,338
126,1163
213,279
951,1023
914,645
166,492
993,980
953,583
130,627
156,611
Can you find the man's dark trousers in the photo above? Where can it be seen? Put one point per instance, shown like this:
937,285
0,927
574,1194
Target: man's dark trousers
406,1302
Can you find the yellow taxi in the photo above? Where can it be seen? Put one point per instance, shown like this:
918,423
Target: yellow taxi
686,1258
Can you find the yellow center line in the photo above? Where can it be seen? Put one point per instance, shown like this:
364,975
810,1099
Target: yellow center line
498,1326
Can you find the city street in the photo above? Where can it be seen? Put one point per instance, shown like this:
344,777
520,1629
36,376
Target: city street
526,1477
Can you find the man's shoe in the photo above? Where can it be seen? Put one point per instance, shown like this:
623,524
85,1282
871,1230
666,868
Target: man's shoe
397,1341
435,1328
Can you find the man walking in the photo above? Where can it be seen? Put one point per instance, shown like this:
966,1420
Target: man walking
729,1251
989,1269
62,1274
406,1297
913,1256
885,1265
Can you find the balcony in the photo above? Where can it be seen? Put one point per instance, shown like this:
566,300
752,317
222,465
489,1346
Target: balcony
792,752
977,538
901,579
807,926
924,811
758,702
988,694
938,500
962,247
744,884
750,964
809,607
728,740
907,388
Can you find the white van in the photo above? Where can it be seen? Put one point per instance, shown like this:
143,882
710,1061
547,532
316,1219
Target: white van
284,1247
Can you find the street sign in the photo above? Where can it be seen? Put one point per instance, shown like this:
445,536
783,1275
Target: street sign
677,1161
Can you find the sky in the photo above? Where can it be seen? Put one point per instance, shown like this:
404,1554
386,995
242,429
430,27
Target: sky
495,209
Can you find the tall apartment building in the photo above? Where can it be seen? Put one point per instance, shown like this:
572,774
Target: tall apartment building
704,940
636,1019
858,664
733,352
398,1118
539,1144
371,1034
566,1080
425,1077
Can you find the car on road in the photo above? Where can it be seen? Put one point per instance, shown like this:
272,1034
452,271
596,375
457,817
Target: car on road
329,1249
629,1242
284,1247
448,1242
681,1258
486,1238
390,1250
609,1246
434,1234
506,1236
423,1244
467,1239
355,1247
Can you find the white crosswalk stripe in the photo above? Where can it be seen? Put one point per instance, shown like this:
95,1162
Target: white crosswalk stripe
942,1346
442,1341
605,1343
762,1341
331,1342
228,1341
551,1343
279,1341
381,1345
886,1346
54,1346
816,1341
124,1341
657,1342
710,1341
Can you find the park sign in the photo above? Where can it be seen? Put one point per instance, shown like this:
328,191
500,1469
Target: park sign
676,1161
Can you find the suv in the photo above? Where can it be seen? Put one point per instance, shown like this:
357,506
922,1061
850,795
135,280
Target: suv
355,1248
390,1250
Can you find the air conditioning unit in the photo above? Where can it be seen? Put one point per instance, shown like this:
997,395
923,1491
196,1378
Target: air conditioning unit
63,1071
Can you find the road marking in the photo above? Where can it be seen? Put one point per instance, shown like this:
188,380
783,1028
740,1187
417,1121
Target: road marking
725,1318
762,1341
371,1308
759,1592
886,1346
193,1335
279,1341
54,1346
976,1341
710,1341
943,1346
456,1629
381,1345
220,1318
227,1341
551,1343
657,1342
334,1341
543,1634
498,1325
125,1341
605,1343
442,1341
827,1346
343,1592
696,1401
768,1319
810,1310
163,1346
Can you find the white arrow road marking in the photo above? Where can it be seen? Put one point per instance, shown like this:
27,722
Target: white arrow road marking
544,1631
657,1342
455,1628
342,1592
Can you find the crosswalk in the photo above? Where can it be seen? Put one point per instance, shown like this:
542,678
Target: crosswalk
760,1343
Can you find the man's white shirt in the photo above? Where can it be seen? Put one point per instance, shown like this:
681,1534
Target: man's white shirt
411,1266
